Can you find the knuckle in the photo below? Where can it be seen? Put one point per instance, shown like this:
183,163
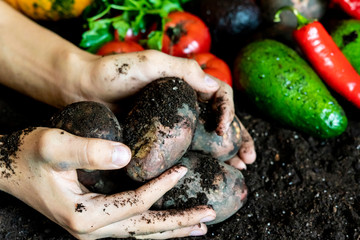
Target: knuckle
192,65
44,143
85,153
151,53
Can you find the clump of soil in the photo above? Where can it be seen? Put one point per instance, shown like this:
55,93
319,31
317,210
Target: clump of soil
206,170
9,146
208,116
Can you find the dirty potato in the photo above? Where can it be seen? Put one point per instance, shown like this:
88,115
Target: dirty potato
91,120
159,127
207,182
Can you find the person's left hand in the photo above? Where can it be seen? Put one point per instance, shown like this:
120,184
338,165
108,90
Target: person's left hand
38,166
112,78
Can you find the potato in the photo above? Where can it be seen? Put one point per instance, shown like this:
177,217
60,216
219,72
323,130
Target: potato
207,182
91,120
159,127
206,139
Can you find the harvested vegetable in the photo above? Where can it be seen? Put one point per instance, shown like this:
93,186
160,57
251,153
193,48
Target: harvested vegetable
351,7
106,16
282,85
116,46
207,182
50,9
160,126
184,34
346,35
325,57
92,120
228,19
214,66
208,141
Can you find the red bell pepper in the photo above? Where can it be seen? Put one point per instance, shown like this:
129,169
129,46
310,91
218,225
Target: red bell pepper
325,57
351,7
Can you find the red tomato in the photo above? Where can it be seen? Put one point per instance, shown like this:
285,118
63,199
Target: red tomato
214,66
184,34
115,46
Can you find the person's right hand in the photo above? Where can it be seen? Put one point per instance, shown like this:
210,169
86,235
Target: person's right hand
42,173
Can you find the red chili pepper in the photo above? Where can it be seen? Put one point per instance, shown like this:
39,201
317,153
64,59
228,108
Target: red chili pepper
351,7
325,57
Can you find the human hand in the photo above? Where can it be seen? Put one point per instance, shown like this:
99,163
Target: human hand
247,153
112,78
115,77
42,173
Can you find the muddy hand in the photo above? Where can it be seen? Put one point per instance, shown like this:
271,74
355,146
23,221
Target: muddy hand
41,171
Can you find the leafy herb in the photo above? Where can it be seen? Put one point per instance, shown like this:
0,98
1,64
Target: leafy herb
105,16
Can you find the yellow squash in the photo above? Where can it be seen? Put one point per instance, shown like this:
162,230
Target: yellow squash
50,9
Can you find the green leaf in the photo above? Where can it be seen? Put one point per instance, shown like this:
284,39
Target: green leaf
139,22
155,40
156,3
98,34
170,6
122,27
106,15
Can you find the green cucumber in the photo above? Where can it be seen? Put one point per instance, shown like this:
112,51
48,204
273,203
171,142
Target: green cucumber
283,86
346,35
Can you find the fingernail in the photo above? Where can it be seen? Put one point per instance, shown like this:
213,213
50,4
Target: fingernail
196,233
242,165
210,81
207,218
121,155
183,170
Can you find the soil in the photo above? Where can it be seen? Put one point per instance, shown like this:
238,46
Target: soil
300,187
150,107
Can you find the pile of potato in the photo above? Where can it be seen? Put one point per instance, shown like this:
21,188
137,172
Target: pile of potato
165,126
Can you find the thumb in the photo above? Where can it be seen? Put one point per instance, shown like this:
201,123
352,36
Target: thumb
65,151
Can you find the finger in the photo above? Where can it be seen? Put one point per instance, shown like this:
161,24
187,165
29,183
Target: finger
102,210
67,152
247,151
236,162
151,222
192,231
127,79
164,65
223,105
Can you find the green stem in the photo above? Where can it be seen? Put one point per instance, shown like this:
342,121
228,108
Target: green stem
100,14
301,20
123,8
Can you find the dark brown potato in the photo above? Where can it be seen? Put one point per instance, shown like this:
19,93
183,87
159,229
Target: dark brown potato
160,127
207,182
92,120
206,140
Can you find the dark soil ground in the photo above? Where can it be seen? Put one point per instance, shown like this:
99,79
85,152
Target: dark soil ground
300,187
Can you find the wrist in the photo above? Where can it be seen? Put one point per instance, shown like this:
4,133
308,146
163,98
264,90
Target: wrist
38,62
73,73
